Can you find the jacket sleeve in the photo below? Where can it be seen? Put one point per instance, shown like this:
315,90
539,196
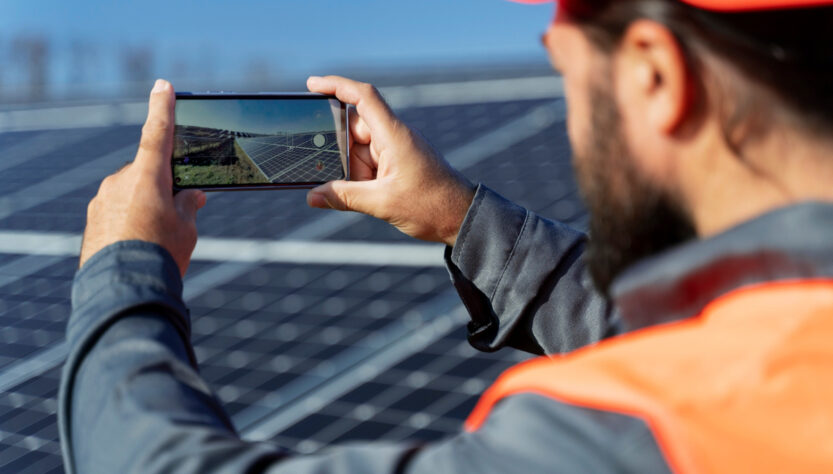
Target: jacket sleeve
132,400
524,281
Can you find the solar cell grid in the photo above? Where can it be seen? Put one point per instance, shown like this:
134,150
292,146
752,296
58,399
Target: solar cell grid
34,309
303,166
306,316
28,429
27,174
426,397
294,158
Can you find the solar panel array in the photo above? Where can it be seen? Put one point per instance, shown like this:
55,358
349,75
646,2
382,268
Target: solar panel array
295,158
303,354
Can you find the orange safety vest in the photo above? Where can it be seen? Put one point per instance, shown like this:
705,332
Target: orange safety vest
747,386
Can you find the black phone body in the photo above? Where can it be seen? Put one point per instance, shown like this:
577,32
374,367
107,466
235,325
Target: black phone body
242,141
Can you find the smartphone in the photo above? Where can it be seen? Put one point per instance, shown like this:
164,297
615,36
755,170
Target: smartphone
229,141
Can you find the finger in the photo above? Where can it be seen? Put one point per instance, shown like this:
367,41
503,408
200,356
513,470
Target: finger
369,103
362,165
359,196
157,141
358,129
188,202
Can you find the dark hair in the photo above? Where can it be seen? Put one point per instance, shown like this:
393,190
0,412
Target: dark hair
787,52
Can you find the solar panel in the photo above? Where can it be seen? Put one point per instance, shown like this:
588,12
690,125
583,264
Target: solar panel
295,158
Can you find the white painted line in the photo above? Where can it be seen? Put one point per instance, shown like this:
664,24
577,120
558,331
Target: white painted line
74,116
250,250
322,252
40,243
420,95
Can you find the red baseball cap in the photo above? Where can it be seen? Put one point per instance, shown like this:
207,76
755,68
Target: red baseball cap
736,5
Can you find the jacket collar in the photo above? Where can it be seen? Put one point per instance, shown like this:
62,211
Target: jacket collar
794,242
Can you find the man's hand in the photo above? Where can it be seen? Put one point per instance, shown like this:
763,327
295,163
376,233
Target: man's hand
137,202
396,176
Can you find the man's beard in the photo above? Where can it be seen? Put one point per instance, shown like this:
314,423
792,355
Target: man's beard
630,217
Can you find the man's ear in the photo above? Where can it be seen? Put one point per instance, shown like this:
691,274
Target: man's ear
652,76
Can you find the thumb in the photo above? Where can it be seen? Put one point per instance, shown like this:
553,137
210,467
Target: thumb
156,144
188,202
359,196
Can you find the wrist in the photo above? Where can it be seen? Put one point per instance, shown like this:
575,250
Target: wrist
460,203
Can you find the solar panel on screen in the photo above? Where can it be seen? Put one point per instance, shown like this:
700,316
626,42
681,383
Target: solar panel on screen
249,141
295,158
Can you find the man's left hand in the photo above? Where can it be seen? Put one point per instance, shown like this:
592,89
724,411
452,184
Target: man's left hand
137,202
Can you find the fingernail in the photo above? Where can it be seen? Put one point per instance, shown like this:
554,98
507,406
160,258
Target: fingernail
159,85
313,79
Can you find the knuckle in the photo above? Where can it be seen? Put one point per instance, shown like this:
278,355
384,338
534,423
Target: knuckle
106,183
368,90
150,142
145,174
343,200
125,167
156,123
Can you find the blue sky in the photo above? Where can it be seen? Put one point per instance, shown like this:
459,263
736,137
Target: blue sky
257,116
226,41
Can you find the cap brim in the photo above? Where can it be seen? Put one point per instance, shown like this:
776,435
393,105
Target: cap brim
734,5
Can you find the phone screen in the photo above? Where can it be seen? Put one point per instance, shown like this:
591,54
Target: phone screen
248,141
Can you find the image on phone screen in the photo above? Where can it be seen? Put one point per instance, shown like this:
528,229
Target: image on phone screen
232,141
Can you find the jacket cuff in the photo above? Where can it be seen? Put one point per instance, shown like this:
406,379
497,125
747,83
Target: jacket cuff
478,261
508,261
122,276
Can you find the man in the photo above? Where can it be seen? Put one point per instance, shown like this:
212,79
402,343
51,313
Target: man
701,133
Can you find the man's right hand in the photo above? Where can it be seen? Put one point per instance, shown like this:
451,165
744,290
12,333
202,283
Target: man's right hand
395,174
